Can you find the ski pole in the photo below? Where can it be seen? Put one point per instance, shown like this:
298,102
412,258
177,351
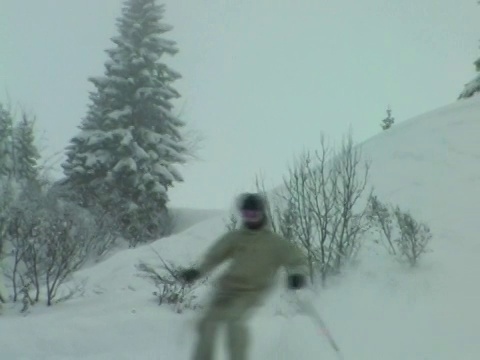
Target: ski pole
314,315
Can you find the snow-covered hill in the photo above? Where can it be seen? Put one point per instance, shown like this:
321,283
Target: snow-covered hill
185,218
429,164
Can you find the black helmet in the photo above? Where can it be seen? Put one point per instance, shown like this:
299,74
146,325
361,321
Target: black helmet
251,201
252,209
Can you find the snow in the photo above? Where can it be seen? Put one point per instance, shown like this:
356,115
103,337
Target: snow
93,159
117,114
125,164
159,189
377,309
161,170
139,152
126,136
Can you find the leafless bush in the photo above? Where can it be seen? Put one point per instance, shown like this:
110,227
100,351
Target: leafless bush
66,246
25,261
405,238
49,240
3,297
27,301
22,223
322,195
171,290
232,223
298,211
269,208
414,237
380,217
351,183
7,196
106,233
105,224
77,288
287,220
32,265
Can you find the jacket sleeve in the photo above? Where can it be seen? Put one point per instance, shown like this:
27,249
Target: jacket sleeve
217,254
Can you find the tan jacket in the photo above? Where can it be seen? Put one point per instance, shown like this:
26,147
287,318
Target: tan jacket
255,257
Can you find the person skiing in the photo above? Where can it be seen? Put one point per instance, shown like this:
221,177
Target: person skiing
255,253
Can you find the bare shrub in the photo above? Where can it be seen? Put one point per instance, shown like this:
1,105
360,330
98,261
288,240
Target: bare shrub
404,237
25,255
27,301
171,289
22,223
351,216
50,240
269,209
287,220
104,224
106,233
414,237
71,290
297,196
323,209
232,223
381,219
66,246
7,195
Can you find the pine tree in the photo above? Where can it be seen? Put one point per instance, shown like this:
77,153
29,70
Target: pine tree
26,152
6,193
388,121
130,140
7,162
473,86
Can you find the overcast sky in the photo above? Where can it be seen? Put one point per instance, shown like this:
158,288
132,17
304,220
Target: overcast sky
262,79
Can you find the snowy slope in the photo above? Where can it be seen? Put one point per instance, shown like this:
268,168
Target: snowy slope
185,218
428,164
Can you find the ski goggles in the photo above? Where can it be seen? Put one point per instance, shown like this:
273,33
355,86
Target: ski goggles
252,215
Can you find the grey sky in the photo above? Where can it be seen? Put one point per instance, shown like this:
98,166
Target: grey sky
261,78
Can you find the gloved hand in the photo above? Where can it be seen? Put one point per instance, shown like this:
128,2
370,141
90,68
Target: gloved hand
296,281
190,275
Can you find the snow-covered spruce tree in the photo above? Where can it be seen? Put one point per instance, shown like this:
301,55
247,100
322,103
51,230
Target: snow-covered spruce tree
130,140
26,152
18,174
6,176
6,144
473,86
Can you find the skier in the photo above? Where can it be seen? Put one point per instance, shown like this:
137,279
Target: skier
256,253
